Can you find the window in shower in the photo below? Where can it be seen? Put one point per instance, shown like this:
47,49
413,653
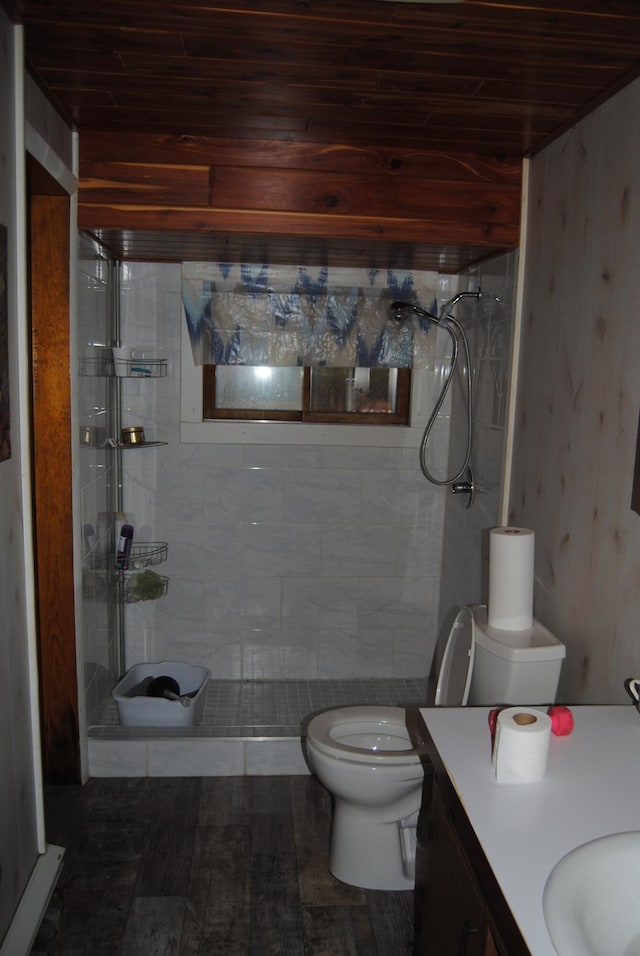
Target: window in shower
371,396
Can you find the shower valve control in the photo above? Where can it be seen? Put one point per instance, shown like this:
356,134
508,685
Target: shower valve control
465,488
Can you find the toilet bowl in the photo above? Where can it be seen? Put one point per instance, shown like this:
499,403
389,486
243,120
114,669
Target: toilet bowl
365,758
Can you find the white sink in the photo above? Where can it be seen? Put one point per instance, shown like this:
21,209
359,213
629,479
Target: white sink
591,899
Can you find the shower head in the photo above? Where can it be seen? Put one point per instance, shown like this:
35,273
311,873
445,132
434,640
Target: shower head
401,311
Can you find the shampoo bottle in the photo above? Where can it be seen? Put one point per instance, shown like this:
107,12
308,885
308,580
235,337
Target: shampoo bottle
119,519
124,547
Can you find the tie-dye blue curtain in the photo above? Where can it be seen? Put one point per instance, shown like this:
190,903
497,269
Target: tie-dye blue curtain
275,315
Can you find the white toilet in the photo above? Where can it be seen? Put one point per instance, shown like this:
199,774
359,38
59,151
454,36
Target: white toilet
364,756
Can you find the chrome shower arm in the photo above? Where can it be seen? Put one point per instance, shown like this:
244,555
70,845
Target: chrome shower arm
444,310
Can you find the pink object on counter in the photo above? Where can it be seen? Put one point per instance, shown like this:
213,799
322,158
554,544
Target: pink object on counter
561,721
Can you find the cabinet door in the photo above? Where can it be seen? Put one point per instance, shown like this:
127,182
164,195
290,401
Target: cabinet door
454,919
490,947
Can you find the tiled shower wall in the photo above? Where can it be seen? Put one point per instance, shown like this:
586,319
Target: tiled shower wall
96,289
489,329
296,561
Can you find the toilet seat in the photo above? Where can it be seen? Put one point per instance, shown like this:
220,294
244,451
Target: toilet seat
377,735
454,679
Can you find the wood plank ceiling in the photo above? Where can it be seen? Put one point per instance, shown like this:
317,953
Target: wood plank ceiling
353,131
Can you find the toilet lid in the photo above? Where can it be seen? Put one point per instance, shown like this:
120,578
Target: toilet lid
454,678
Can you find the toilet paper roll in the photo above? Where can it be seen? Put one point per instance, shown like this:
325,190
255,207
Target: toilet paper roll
511,556
521,745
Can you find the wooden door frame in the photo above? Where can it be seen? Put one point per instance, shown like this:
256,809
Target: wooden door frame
49,286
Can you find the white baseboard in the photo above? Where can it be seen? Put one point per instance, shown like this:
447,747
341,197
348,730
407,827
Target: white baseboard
32,907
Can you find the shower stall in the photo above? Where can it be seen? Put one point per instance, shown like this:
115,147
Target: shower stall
303,574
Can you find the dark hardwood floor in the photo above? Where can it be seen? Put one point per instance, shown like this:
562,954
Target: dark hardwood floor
211,866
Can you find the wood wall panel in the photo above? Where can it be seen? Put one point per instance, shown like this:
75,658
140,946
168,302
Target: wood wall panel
146,182
158,148
364,196
327,193
92,218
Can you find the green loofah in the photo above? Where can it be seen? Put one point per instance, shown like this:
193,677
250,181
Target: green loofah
146,586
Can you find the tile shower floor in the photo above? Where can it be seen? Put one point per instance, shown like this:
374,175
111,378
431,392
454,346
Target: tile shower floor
273,708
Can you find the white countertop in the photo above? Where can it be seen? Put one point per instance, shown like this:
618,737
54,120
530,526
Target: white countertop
591,788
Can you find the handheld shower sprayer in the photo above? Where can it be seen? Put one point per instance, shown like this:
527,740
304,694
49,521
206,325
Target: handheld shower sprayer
401,311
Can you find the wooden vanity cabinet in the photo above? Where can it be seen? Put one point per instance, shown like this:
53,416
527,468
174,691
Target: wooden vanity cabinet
454,918
460,908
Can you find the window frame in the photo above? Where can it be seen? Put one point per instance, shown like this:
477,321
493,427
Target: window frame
195,431
305,415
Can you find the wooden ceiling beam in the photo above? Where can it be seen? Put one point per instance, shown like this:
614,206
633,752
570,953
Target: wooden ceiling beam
120,216
202,150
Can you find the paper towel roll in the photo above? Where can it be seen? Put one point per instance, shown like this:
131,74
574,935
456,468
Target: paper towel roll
521,745
511,554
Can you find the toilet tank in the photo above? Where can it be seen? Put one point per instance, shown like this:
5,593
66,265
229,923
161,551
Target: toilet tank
514,667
